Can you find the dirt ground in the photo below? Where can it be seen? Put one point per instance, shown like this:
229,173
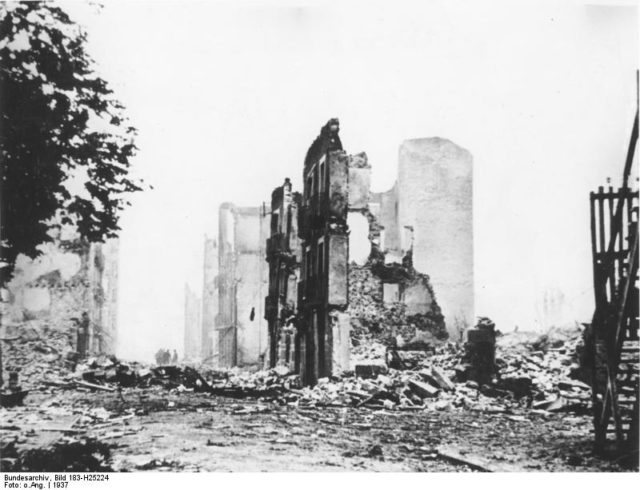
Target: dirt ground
152,429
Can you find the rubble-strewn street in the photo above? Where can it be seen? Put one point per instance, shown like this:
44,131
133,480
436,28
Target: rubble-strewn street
101,414
318,238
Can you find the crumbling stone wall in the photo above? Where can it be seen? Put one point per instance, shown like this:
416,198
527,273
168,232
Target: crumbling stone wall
373,318
425,224
384,207
357,251
387,296
70,278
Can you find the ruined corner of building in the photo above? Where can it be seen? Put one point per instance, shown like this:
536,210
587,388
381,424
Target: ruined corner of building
70,287
389,300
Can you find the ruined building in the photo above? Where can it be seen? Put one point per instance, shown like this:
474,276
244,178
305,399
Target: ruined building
363,257
389,299
283,255
240,335
420,234
323,289
103,296
192,324
71,282
210,297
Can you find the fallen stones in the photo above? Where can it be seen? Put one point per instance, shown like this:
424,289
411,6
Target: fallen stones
442,379
423,390
370,370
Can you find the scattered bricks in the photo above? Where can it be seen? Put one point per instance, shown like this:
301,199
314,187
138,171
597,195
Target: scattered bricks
442,379
370,370
94,376
111,375
442,405
493,392
570,383
462,372
411,359
423,390
554,405
518,385
425,374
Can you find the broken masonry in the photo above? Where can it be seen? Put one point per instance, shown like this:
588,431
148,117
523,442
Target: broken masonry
341,258
298,283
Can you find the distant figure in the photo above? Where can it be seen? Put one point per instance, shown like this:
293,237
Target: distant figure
159,357
166,356
252,315
174,357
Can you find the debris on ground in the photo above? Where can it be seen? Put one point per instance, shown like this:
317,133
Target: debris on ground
534,377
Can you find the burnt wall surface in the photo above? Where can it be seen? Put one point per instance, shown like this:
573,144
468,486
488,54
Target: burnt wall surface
323,230
283,256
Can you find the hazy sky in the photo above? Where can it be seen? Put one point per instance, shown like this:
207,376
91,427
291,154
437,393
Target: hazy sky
228,97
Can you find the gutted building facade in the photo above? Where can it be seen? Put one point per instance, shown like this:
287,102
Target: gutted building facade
283,256
240,337
389,300
361,258
421,237
323,289
210,297
71,279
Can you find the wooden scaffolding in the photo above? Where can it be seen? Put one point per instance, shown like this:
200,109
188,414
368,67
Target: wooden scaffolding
614,346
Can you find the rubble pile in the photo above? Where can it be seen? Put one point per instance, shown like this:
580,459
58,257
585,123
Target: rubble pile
527,376
544,367
107,373
33,350
373,320
530,370
370,318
